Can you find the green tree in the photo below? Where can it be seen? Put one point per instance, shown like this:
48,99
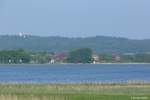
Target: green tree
82,55
12,56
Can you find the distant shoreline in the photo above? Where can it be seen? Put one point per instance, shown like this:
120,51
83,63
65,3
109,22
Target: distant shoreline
82,64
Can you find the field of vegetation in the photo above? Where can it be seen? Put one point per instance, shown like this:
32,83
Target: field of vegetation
75,92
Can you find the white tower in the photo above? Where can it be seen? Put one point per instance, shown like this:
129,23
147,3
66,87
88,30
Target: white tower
20,34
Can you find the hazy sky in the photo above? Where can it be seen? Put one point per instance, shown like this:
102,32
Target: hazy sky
122,18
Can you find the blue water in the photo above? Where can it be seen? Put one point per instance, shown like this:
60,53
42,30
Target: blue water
74,73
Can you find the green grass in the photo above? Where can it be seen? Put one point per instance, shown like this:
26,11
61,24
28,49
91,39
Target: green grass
69,97
75,92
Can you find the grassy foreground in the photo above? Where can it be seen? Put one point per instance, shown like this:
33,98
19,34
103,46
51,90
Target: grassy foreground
75,92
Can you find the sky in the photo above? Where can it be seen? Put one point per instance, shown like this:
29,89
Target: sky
76,18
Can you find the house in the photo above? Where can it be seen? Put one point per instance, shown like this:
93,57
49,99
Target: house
52,61
95,58
116,57
61,57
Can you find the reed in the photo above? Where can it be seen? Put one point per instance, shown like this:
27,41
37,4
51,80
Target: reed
73,91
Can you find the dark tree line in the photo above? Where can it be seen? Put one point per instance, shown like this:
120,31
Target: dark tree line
14,56
83,55
98,44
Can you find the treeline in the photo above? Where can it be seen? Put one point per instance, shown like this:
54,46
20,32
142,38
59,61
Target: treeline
140,57
123,58
98,44
81,55
14,56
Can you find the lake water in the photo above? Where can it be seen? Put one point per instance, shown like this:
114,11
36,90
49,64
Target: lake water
75,73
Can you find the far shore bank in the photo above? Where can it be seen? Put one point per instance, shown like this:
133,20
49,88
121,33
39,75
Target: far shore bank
79,64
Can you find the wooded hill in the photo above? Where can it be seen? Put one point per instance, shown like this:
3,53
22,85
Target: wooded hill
98,44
